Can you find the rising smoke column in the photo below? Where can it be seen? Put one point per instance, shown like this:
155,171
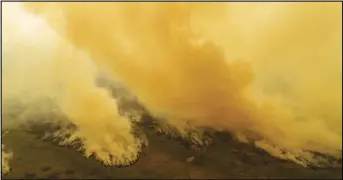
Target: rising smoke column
180,60
39,66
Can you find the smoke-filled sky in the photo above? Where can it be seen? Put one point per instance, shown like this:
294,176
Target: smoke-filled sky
270,73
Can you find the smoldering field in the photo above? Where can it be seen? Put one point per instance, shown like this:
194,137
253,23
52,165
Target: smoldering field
270,74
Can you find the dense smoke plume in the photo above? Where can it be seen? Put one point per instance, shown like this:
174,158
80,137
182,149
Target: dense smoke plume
269,73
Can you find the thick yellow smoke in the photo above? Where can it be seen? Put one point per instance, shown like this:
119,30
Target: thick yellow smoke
40,67
267,72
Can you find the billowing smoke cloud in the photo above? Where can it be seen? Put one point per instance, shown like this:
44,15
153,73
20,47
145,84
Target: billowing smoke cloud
40,67
270,73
